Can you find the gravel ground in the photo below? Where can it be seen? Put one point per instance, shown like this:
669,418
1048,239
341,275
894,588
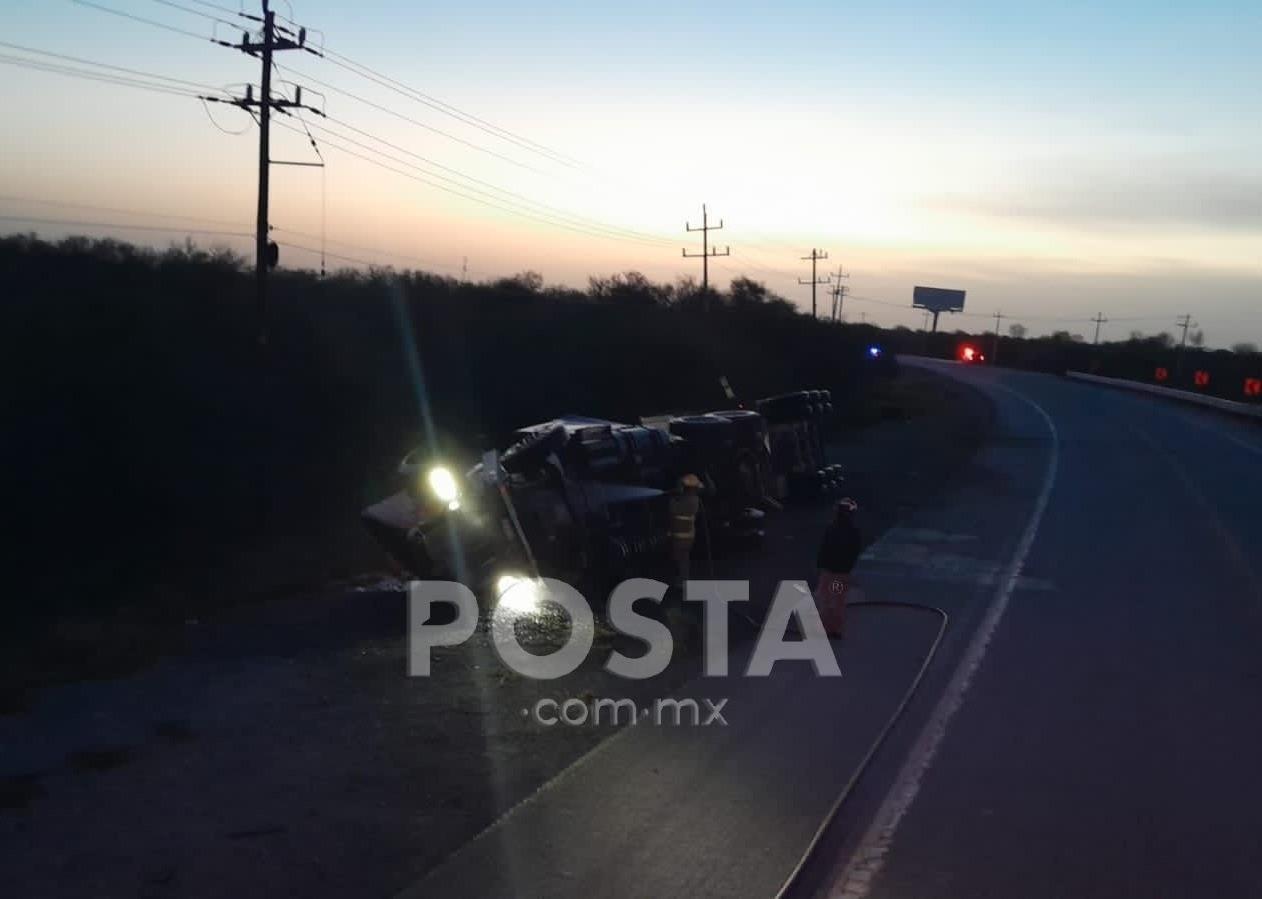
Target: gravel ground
283,751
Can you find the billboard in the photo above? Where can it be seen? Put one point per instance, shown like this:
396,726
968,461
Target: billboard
937,299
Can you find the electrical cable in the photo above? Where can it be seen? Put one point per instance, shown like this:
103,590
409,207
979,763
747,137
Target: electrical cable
101,65
136,18
116,80
194,12
211,116
417,122
223,9
553,210
467,196
447,109
121,226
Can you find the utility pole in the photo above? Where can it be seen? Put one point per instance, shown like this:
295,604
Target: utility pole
272,39
815,257
839,292
706,251
1184,322
994,352
1099,320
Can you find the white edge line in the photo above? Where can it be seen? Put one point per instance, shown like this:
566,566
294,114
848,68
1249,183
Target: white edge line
868,858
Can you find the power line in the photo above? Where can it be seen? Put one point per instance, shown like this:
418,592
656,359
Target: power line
103,78
122,226
223,9
447,109
613,230
194,12
101,65
537,217
388,111
136,18
417,122
118,210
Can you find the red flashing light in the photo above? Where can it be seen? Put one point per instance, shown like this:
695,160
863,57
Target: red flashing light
1201,379
1162,374
1253,386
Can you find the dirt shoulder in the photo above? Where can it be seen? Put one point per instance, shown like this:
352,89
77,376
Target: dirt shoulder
283,749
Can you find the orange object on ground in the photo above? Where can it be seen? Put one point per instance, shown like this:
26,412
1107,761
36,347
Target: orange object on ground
830,600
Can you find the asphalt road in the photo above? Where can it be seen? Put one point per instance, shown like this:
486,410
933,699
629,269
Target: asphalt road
1106,745
1089,726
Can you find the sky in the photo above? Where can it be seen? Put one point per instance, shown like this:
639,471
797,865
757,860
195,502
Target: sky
1053,161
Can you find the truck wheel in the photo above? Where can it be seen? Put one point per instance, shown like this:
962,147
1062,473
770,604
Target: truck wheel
786,407
703,430
747,424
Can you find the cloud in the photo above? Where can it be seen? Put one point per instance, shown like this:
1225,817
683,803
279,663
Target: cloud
1134,196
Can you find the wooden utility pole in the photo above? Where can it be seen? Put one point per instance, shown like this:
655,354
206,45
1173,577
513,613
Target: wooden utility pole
272,39
839,292
815,257
1184,322
994,352
1099,320
707,252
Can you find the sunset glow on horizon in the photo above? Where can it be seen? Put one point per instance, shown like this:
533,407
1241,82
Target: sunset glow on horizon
1052,162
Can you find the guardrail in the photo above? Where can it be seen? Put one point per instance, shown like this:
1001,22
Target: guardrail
1248,410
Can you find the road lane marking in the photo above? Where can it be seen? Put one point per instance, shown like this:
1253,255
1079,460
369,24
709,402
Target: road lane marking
868,858
1226,435
1226,539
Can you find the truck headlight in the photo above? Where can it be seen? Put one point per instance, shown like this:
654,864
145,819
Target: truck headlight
442,484
518,593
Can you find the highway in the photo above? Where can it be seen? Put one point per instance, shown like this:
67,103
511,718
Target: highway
1106,744
1087,727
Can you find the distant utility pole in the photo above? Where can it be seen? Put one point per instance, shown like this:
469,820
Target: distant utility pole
707,252
1184,322
464,270
815,258
839,292
1099,320
994,352
271,39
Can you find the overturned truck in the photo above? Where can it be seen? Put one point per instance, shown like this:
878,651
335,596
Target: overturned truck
586,500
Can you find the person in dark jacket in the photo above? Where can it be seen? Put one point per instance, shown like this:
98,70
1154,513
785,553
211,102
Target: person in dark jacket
838,552
842,543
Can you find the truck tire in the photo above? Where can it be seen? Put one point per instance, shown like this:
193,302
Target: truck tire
703,430
748,425
786,407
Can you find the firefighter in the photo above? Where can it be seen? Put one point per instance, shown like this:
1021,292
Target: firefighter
838,552
684,505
